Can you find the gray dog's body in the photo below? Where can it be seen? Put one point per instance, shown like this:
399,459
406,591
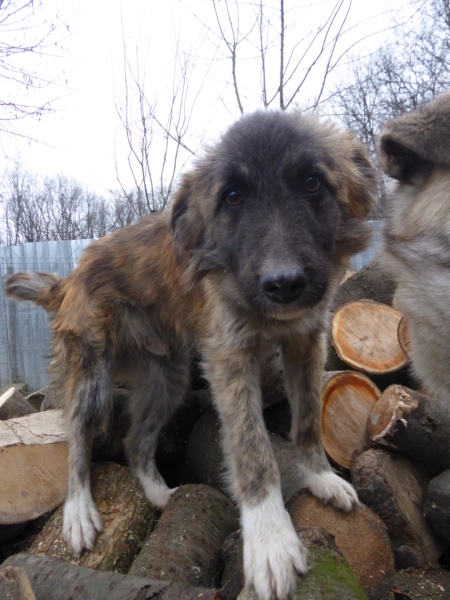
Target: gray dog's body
259,234
415,151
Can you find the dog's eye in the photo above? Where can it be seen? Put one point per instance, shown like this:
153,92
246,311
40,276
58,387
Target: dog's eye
312,184
232,198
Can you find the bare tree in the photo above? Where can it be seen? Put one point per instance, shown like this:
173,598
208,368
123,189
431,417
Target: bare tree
155,133
37,209
408,71
290,53
27,39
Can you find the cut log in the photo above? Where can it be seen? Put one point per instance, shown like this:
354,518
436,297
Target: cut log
419,584
186,543
329,575
15,585
37,400
364,334
403,336
393,487
436,505
233,579
348,273
414,424
13,404
53,579
369,283
347,400
127,518
360,535
33,466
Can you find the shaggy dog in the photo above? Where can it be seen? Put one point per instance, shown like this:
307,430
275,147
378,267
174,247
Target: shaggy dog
258,237
415,151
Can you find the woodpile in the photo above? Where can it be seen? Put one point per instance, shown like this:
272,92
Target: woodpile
380,432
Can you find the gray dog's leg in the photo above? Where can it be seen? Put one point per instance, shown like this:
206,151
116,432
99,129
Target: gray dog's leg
160,387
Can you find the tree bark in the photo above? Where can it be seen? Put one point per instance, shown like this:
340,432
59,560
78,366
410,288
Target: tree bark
393,488
347,400
369,283
414,424
15,585
127,518
53,579
186,543
436,505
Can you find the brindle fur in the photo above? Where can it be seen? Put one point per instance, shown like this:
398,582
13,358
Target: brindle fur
415,152
258,236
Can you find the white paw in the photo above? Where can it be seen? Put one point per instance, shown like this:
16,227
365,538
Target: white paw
273,552
156,490
81,521
332,489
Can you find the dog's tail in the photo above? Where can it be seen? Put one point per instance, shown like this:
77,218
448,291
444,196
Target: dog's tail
44,289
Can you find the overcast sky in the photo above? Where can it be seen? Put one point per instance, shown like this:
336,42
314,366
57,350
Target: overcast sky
83,138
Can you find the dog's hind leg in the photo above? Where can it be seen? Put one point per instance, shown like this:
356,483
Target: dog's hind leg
304,358
85,413
159,389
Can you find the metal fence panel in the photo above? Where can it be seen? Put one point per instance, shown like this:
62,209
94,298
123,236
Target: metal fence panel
24,332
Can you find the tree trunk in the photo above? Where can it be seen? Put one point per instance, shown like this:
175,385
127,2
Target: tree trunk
33,473
347,400
393,487
127,518
413,423
364,334
53,579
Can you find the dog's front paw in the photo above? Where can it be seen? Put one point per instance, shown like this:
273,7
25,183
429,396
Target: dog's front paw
273,552
81,521
332,489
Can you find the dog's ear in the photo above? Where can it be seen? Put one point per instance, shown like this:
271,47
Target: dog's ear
401,163
186,219
411,144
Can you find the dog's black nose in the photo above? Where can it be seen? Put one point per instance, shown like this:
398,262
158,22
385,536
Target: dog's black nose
283,287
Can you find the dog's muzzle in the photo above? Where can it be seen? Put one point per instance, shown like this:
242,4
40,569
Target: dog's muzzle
283,287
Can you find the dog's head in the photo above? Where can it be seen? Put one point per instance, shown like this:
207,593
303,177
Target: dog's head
411,145
278,203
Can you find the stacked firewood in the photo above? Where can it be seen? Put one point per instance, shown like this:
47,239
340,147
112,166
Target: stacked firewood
380,430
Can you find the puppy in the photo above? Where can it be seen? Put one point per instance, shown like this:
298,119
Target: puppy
415,151
257,239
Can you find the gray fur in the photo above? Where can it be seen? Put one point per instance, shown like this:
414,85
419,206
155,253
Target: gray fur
415,150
